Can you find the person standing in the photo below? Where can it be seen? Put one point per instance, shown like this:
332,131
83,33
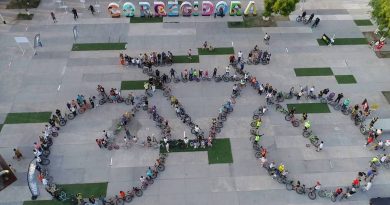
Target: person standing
92,9
373,121
53,16
167,146
320,146
75,16
339,96
18,155
189,54
239,56
215,72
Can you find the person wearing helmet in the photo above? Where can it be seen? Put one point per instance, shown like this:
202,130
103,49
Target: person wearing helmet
307,125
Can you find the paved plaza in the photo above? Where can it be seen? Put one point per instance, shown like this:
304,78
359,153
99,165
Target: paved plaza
46,81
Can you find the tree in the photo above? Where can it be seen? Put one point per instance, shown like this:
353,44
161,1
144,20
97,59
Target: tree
283,7
381,15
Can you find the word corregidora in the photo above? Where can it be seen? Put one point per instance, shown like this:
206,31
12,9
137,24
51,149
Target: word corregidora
186,8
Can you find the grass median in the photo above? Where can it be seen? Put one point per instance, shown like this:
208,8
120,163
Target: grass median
27,117
256,21
133,85
387,95
316,71
216,51
98,46
345,41
363,22
345,79
146,20
220,152
185,59
309,107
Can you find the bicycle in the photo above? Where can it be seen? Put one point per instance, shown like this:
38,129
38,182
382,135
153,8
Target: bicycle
131,194
307,133
300,18
293,120
314,140
290,185
328,194
69,116
83,108
115,200
280,108
311,192
255,145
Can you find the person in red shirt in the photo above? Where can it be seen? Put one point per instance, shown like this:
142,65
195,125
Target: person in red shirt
122,195
338,191
370,139
356,183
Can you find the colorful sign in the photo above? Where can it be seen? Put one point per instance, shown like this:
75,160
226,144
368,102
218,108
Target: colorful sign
172,8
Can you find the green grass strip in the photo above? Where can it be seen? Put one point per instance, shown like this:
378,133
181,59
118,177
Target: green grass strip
387,95
146,20
363,22
98,46
133,85
216,51
87,190
345,41
1,127
44,202
345,79
27,117
324,71
310,107
21,16
221,152
185,59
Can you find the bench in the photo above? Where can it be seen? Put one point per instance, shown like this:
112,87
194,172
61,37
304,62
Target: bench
383,124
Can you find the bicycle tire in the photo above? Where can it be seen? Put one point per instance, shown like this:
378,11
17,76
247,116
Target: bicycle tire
347,111
81,110
176,80
337,107
193,131
219,124
110,100
54,134
144,186
184,80
300,190
62,122
281,180
255,117
333,198
44,161
128,198
278,107
71,116
166,93
139,193
312,195
306,134
120,201
363,130
161,167
150,181
295,123
357,122
289,186
253,124
120,100
127,101
46,152
314,141
226,79
321,193
258,155
145,70
254,131
280,99
256,147
288,117
101,102
223,118
386,165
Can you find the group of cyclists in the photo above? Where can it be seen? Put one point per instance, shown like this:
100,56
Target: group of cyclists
148,60
302,18
255,56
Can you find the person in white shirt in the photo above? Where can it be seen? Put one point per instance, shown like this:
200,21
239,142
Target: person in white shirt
227,70
320,146
384,158
239,56
367,186
186,141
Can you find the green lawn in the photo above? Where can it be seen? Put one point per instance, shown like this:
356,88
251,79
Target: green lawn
146,20
325,71
21,4
216,51
27,117
382,54
133,85
1,127
44,202
21,16
387,95
363,22
98,46
220,152
185,59
345,41
87,190
345,79
256,21
310,107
